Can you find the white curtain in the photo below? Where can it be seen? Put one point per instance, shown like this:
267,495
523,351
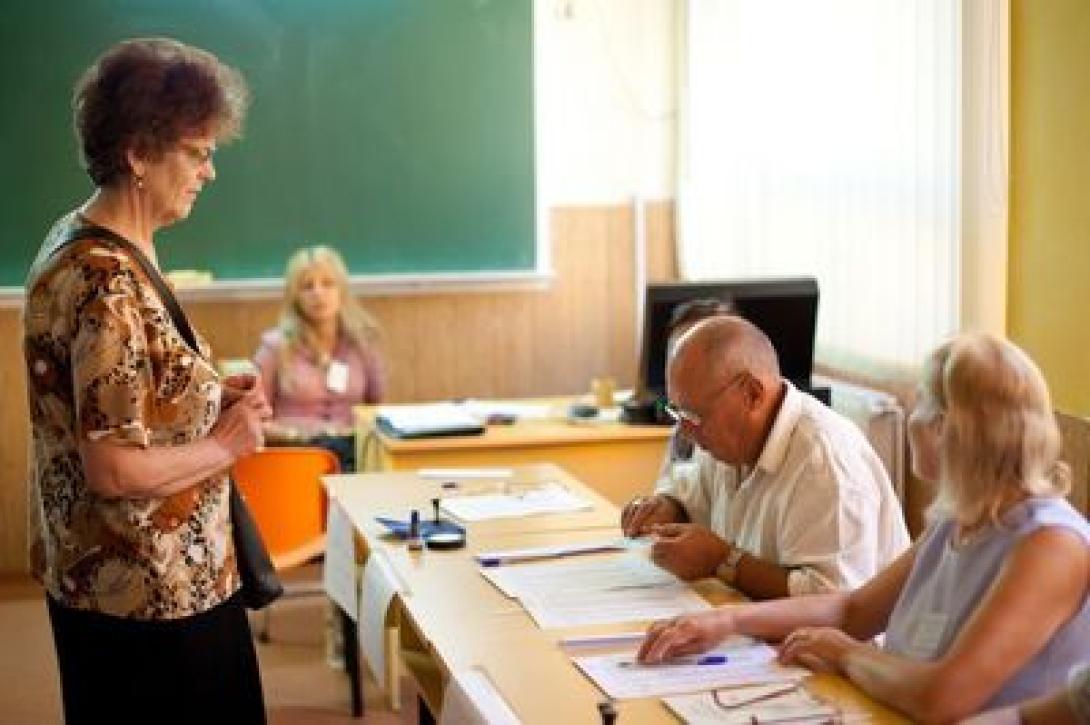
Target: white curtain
825,139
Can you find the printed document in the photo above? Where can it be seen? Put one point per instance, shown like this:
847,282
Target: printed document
549,498
380,583
470,698
599,591
738,661
430,419
339,569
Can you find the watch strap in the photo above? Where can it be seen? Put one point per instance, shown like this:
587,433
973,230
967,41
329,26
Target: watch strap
728,568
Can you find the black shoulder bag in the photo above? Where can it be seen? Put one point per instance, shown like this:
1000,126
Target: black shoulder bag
260,583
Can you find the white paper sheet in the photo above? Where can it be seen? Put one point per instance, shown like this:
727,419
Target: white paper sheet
488,472
554,610
380,583
613,573
550,498
429,419
472,699
538,553
596,591
747,663
741,706
339,569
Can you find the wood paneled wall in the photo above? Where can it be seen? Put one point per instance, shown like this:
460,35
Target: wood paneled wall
544,341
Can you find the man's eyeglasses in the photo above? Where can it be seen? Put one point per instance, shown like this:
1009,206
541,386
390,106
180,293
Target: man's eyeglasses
680,415
683,415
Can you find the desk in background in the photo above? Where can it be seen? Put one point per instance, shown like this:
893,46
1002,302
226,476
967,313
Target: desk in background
617,460
452,619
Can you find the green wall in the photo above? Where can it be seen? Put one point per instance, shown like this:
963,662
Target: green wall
1049,276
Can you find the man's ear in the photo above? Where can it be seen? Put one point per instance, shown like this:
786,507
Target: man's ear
753,390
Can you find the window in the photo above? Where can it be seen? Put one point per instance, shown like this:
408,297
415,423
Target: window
826,139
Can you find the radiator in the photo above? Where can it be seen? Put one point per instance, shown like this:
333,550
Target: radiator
881,418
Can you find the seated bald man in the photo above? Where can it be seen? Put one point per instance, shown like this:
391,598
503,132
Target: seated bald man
786,496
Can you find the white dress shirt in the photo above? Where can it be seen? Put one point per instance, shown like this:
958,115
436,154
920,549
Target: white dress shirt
818,502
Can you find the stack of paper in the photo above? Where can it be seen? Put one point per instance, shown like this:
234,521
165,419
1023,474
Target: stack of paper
538,553
740,661
598,591
549,498
435,419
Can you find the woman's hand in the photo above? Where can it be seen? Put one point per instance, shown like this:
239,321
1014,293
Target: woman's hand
236,387
685,635
821,649
239,428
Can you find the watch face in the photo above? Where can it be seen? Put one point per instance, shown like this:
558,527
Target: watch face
727,570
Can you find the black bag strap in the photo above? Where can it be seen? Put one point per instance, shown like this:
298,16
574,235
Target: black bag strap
166,295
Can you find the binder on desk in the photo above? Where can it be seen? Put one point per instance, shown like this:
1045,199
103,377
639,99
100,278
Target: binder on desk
426,421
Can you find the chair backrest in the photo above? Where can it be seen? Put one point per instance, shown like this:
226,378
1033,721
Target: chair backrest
283,489
1075,430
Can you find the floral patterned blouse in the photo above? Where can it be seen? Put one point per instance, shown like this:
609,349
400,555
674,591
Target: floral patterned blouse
104,362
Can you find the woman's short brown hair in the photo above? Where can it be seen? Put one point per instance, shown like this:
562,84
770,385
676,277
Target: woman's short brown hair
146,94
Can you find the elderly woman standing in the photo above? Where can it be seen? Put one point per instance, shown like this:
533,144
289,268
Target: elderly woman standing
133,431
323,357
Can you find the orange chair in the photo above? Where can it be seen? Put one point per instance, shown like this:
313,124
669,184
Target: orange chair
283,489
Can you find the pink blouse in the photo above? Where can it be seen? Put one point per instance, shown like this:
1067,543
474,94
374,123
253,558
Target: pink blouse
310,404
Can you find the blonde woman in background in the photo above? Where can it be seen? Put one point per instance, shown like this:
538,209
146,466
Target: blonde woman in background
322,358
990,606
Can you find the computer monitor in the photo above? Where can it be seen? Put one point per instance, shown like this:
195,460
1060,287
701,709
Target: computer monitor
785,309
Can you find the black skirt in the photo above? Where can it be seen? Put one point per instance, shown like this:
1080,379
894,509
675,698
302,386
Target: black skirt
198,669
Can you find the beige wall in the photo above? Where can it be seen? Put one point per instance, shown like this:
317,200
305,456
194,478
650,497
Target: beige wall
1049,273
536,342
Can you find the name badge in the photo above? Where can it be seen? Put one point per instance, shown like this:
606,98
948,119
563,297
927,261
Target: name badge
928,635
336,376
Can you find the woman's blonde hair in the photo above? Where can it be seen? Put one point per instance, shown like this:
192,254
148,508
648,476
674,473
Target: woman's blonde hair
298,333
1000,436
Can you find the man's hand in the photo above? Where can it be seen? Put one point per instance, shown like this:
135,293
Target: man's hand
643,512
688,551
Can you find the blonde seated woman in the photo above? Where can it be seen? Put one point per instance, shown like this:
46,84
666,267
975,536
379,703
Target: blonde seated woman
990,606
322,359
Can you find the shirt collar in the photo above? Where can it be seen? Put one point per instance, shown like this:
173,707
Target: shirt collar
775,448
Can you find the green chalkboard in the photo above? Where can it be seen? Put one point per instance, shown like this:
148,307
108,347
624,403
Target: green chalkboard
399,131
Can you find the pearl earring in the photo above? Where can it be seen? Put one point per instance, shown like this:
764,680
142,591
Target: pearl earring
139,182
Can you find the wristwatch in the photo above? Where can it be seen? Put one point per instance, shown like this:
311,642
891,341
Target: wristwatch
728,568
